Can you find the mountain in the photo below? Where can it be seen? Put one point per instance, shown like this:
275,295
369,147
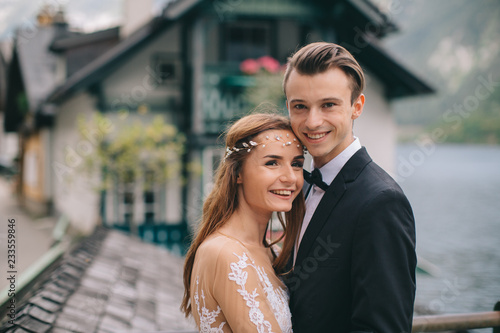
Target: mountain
454,45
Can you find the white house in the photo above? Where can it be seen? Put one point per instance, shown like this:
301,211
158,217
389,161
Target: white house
183,65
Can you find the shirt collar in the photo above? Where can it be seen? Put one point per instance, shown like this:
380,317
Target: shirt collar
331,169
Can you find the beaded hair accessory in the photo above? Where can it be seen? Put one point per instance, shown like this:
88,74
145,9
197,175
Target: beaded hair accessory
252,144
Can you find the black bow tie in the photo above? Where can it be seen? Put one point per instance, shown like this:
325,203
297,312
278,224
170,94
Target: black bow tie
315,178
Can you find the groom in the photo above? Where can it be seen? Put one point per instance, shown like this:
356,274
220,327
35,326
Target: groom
354,259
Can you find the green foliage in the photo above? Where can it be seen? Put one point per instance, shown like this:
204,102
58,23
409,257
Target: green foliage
127,150
483,126
266,90
22,103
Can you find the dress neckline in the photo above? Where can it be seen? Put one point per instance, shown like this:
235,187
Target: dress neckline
241,242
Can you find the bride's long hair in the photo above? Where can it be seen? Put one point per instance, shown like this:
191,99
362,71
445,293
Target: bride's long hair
222,202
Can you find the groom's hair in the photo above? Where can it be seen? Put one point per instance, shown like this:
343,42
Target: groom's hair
316,58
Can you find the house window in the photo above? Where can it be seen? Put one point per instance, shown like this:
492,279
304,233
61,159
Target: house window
149,198
247,40
139,201
166,67
166,70
128,189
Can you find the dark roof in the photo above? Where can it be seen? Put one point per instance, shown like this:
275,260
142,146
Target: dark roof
82,49
177,8
110,282
398,81
78,40
374,15
106,63
110,60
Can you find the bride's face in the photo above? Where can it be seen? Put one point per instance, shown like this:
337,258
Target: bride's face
271,176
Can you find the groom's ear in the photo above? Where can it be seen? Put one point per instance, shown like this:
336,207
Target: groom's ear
287,106
358,106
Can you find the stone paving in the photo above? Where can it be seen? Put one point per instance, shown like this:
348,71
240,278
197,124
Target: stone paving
110,282
33,235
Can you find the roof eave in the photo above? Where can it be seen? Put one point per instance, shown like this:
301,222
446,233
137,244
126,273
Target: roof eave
110,60
374,16
178,8
106,63
399,81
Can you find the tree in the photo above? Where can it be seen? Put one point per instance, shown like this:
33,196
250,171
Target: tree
128,153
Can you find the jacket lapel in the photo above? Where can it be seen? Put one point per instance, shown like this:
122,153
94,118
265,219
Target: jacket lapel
330,199
320,216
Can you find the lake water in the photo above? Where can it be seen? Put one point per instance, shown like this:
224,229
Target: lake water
455,194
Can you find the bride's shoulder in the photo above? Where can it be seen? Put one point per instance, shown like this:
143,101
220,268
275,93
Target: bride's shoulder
218,245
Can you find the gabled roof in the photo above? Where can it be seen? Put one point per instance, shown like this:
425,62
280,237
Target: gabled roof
81,49
37,63
109,61
35,68
110,282
39,73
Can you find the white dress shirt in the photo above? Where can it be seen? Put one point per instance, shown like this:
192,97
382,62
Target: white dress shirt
328,171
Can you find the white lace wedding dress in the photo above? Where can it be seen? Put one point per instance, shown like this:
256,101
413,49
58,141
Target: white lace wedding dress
234,289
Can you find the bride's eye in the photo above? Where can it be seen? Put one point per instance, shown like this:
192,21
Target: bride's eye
298,164
272,163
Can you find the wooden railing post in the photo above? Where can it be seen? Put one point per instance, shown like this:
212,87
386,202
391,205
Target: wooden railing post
461,321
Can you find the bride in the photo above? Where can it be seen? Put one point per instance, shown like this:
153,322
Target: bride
231,273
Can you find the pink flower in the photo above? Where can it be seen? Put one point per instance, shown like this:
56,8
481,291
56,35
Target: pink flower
270,64
249,66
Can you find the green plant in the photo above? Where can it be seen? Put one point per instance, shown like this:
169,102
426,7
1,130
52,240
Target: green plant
267,88
126,151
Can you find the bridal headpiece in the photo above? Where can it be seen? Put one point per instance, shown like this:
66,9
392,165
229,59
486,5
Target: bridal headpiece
248,146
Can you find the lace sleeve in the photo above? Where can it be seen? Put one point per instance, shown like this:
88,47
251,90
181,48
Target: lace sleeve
244,293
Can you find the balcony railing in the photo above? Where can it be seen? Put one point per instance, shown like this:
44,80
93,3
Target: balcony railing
222,95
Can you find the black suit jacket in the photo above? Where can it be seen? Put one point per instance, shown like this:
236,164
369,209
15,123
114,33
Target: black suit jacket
355,267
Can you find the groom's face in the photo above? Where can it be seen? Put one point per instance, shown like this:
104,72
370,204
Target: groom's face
321,112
